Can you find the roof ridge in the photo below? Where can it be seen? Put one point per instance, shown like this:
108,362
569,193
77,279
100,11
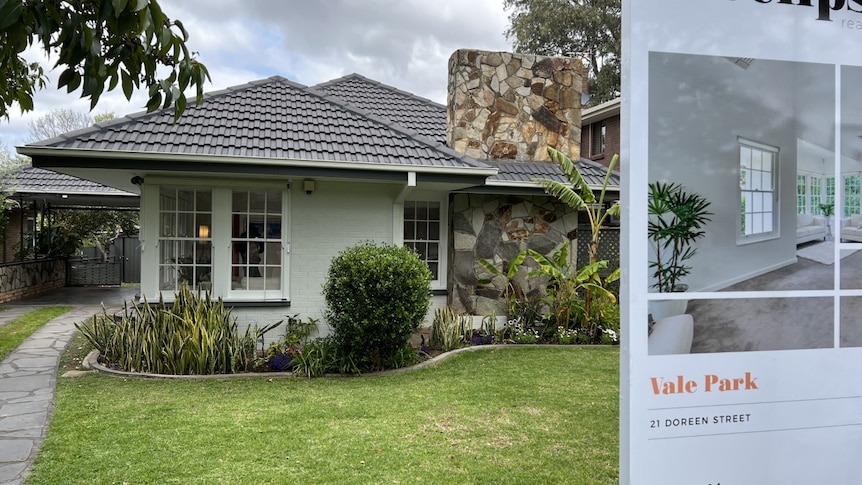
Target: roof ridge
388,87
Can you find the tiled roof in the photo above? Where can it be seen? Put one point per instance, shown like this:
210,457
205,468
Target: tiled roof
350,119
273,119
524,172
29,179
421,115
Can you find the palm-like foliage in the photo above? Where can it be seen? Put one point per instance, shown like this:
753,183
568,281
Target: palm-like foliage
577,194
677,220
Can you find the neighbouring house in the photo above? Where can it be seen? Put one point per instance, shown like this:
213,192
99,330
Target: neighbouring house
600,133
35,193
251,194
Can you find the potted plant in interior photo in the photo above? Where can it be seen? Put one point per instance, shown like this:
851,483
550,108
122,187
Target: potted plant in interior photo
676,221
827,210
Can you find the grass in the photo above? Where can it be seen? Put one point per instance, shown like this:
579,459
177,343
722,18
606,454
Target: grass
14,332
513,415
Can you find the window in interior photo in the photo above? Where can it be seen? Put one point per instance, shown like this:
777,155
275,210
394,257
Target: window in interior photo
851,195
256,240
185,238
801,194
815,191
758,167
422,232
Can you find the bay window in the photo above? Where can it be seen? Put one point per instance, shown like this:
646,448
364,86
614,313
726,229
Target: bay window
228,241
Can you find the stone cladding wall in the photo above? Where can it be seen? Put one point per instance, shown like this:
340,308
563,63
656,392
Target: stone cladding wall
20,280
505,106
496,228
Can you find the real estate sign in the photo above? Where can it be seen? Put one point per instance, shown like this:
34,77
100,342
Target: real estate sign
756,107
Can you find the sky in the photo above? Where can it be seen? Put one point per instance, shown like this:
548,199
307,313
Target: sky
402,43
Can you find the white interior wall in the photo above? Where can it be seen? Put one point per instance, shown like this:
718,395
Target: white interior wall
695,122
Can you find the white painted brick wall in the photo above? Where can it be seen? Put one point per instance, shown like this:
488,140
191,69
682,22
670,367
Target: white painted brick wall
336,216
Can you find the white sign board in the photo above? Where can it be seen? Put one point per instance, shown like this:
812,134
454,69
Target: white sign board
755,105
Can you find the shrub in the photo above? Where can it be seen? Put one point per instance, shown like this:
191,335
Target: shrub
448,330
193,336
376,297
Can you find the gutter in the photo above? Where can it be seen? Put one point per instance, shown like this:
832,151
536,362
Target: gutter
51,152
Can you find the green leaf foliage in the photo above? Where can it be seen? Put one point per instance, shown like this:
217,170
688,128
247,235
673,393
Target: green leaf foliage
194,335
589,29
96,43
376,297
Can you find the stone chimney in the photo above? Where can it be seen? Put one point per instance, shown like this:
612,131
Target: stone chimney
504,106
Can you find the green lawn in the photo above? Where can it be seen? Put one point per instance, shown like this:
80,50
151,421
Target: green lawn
513,415
14,332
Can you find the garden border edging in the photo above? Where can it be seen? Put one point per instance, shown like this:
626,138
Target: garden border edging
91,361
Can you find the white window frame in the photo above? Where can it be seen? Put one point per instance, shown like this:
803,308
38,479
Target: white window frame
772,192
261,294
220,236
440,283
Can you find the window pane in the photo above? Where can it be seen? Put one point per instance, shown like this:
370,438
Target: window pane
257,201
434,231
422,230
240,201
186,200
186,224
204,201
745,157
409,230
168,225
433,252
421,211
273,201
409,210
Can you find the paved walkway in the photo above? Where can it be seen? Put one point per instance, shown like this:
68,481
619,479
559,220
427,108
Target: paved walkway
29,374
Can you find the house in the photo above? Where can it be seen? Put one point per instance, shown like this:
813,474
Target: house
600,133
36,192
251,194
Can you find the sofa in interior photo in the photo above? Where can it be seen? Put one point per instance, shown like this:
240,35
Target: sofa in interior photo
851,229
810,228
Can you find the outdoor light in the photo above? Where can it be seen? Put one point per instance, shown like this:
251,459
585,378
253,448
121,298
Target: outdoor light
308,186
138,180
203,231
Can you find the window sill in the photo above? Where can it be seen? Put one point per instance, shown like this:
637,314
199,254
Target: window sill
248,303
757,239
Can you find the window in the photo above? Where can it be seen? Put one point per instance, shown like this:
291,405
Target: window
830,191
851,195
758,166
801,194
185,238
229,241
256,242
422,222
598,135
808,194
815,194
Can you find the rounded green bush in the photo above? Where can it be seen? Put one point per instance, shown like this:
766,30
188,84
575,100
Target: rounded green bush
376,296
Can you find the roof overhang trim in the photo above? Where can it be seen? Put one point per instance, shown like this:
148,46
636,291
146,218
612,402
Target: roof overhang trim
41,154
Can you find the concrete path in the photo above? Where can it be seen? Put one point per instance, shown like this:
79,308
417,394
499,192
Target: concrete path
28,376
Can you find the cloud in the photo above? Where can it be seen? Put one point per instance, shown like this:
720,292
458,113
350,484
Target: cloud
403,43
